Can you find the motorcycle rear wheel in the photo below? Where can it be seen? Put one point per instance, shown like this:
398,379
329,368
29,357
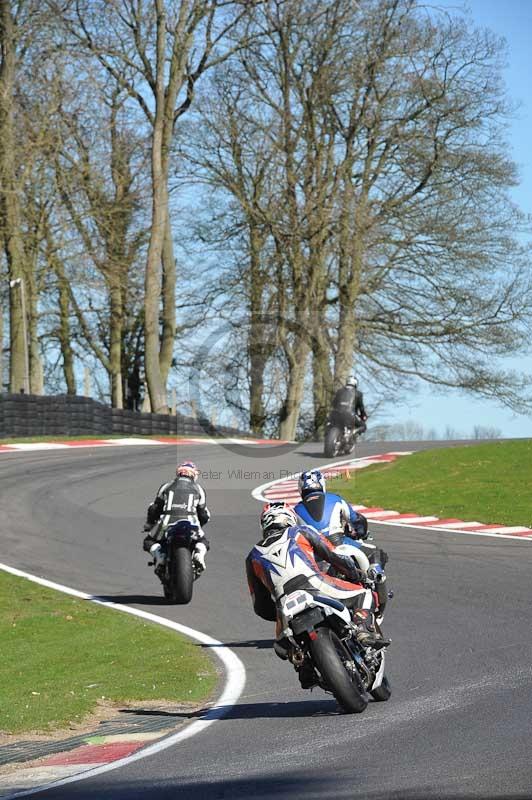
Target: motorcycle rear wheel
333,441
330,656
181,575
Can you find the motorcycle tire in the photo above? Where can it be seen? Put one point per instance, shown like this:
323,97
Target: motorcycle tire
329,654
382,692
181,575
332,444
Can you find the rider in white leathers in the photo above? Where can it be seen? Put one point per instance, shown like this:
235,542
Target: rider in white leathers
287,558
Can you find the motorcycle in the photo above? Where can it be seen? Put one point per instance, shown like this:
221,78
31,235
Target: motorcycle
322,646
178,571
340,438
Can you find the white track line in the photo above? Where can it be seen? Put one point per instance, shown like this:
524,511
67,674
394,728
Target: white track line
234,685
445,529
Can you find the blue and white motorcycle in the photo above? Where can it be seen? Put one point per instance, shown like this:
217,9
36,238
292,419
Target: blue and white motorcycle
323,647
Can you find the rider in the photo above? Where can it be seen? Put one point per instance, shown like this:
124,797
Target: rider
181,498
333,517
348,402
286,559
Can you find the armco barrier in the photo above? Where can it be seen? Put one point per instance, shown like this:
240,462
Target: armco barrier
66,415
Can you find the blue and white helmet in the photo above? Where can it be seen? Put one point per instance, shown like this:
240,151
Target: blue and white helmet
311,481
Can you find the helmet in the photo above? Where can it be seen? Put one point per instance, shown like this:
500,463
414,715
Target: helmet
352,381
187,470
311,481
276,517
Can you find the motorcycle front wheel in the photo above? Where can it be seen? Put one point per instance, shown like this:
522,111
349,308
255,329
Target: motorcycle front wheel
333,442
331,656
181,575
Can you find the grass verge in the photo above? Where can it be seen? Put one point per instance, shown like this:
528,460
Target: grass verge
488,482
61,656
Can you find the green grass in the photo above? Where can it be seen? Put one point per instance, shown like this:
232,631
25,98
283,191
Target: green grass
490,483
61,656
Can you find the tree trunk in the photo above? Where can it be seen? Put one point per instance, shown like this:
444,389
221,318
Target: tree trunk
36,377
152,283
115,349
259,349
322,384
169,299
351,261
294,394
1,347
65,335
9,201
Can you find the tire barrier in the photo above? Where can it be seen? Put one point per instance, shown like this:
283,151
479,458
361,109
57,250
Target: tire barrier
28,415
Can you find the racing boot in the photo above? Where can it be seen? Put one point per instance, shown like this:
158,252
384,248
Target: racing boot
198,556
307,675
159,558
367,633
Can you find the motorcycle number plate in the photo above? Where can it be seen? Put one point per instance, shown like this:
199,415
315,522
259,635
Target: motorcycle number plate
307,621
295,602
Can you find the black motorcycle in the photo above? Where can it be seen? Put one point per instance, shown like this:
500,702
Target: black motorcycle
179,571
340,438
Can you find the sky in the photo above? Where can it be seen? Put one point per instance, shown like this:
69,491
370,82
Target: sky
511,19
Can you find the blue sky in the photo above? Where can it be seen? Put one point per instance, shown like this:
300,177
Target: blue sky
511,19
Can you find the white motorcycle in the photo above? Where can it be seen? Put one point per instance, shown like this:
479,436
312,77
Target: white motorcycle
324,649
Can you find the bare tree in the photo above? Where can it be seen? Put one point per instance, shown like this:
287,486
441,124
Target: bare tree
25,201
98,170
10,211
396,244
158,51
486,432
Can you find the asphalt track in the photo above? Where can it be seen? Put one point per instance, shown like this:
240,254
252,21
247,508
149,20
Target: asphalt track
459,721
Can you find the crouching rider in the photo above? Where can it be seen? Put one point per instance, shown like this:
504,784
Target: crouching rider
179,499
287,557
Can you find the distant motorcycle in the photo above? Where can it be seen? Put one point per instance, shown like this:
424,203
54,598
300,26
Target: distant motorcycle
340,438
179,571
323,644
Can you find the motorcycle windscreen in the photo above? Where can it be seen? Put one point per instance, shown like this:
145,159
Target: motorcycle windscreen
315,505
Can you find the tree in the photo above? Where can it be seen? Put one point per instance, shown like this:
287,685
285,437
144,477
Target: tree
397,248
25,201
98,171
10,211
158,51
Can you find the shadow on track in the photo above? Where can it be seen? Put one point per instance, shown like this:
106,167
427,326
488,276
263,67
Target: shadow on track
289,710
262,787
258,644
134,599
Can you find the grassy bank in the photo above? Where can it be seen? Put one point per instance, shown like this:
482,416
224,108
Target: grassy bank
60,656
487,482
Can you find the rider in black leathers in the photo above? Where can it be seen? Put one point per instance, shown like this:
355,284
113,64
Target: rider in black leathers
181,498
348,402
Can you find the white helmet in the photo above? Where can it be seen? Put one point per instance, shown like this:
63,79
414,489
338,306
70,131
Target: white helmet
276,517
352,381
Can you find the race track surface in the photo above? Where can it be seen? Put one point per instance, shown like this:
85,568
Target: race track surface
459,721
